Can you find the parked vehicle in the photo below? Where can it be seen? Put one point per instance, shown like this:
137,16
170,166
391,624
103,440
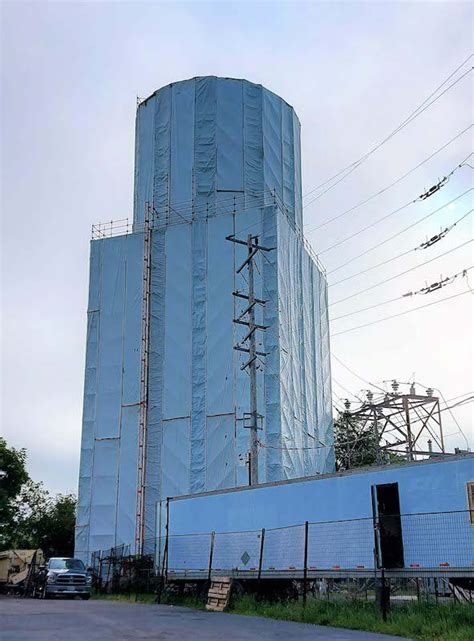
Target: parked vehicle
65,577
16,566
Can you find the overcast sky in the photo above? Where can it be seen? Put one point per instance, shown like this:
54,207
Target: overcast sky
354,71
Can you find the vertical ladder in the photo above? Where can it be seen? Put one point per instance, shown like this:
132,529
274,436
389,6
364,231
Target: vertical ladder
142,428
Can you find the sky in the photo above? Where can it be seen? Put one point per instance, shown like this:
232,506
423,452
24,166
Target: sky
71,74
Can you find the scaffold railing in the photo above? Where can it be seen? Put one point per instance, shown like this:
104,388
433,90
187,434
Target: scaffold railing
112,228
172,215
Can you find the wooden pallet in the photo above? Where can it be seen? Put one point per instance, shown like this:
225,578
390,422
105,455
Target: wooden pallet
219,594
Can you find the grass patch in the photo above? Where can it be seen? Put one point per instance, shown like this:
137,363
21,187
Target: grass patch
423,621
126,598
186,601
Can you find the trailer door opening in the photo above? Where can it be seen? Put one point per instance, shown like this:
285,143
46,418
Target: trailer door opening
387,507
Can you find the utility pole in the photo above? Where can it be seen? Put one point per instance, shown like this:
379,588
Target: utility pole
249,344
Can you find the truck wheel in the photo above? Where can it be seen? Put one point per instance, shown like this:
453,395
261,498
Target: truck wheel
85,597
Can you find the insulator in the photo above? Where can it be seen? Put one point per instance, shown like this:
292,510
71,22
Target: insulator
429,392
395,386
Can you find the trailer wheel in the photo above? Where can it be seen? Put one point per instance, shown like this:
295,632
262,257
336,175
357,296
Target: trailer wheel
85,597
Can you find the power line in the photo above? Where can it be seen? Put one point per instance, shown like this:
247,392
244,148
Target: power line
376,222
367,382
413,115
392,213
437,237
470,399
312,447
450,411
368,269
454,398
349,442
417,112
423,290
346,390
408,311
393,277
406,271
402,231
322,446
351,371
365,309
381,191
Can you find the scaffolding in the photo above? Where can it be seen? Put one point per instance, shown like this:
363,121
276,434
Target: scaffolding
179,214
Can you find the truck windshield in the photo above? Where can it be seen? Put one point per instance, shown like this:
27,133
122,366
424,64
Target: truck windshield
66,564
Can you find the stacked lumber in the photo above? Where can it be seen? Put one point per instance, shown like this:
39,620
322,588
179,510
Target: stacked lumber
219,594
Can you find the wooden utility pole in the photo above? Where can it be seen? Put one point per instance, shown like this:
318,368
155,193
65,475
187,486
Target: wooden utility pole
249,344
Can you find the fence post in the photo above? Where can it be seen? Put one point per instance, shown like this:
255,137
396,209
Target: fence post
211,554
99,578
375,526
167,536
384,596
260,560
305,568
164,569
109,563
99,574
382,591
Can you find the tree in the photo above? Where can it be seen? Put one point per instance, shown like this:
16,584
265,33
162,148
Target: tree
29,516
13,476
56,528
357,445
45,521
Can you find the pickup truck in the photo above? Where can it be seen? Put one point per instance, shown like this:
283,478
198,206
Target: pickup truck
66,577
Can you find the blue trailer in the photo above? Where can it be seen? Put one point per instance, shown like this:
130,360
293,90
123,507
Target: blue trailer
413,519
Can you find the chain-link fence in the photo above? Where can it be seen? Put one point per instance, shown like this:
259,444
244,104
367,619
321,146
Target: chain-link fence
320,554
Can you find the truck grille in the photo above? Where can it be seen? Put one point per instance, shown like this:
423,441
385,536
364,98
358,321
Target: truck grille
71,579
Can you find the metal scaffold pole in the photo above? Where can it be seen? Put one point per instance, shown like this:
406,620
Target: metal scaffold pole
249,344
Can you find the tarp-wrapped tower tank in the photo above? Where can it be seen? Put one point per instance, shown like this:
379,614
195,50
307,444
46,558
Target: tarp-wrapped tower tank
166,400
